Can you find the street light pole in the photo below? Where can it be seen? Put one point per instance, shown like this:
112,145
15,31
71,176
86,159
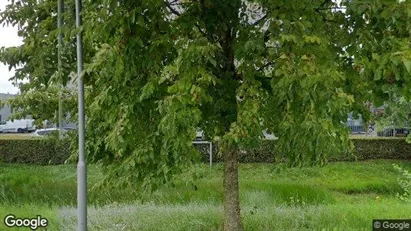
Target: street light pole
60,10
81,166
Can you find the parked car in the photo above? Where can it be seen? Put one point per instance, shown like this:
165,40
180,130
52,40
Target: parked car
50,131
2,123
18,126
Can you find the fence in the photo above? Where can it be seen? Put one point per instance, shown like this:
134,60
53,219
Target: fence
356,129
394,131
387,131
361,130
210,149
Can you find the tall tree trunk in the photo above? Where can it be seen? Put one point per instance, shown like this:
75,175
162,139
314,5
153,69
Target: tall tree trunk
232,218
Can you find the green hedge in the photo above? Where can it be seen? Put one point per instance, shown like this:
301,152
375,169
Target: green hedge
265,153
381,148
34,151
53,151
365,148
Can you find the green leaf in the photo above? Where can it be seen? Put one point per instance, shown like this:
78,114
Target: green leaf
213,62
283,56
407,64
377,75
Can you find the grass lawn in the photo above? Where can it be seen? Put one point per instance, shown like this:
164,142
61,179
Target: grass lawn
339,196
18,136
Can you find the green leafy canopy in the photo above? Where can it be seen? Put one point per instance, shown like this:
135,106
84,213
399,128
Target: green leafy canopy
158,70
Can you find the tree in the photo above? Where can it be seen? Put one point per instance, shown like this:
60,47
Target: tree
232,68
381,52
379,47
35,61
397,112
41,104
157,70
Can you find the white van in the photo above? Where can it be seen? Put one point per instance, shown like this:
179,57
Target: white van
18,126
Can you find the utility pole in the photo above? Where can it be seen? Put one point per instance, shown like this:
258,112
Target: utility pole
60,10
81,166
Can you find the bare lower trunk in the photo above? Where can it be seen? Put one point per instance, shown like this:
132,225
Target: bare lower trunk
232,218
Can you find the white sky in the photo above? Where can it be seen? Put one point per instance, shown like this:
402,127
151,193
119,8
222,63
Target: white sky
8,38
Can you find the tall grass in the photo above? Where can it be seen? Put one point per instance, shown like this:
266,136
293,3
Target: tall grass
53,186
341,196
56,185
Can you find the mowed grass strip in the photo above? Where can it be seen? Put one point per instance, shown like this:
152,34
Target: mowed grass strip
18,136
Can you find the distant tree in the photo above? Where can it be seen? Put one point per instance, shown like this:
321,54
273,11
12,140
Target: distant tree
41,104
380,49
35,61
397,112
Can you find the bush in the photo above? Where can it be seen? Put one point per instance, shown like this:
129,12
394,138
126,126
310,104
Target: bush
54,151
381,148
34,151
364,149
264,154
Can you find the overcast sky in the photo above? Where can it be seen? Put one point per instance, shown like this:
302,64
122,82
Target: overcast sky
8,37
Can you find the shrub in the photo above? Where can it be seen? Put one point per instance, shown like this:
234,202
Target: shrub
365,148
264,154
34,151
54,151
381,148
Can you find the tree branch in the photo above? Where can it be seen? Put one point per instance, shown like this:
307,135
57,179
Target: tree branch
259,20
173,2
266,65
200,30
267,34
174,11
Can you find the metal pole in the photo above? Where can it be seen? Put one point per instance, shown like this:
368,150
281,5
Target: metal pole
81,166
60,10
